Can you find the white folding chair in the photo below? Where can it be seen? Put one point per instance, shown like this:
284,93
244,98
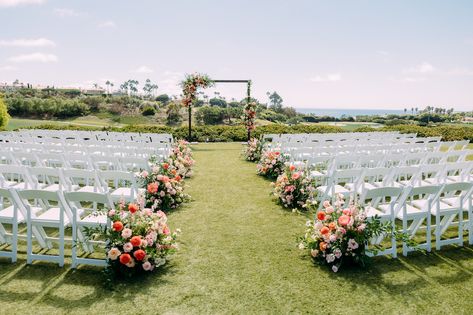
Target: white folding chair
47,178
89,210
15,176
9,215
121,185
380,203
454,202
45,209
414,209
82,180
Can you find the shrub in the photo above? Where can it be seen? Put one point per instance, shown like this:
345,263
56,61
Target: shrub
173,113
148,111
4,117
210,115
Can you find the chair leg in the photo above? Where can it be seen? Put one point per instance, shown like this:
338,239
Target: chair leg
14,242
437,232
61,245
404,230
429,233
74,245
29,241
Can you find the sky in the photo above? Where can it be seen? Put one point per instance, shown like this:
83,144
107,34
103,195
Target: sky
316,54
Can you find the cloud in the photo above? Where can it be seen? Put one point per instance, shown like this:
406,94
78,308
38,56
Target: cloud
332,77
413,79
422,68
170,82
7,68
107,24
143,69
14,3
460,72
34,57
62,12
39,42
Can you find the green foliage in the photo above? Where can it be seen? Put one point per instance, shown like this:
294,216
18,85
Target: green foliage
148,111
210,115
271,115
173,114
218,102
4,117
93,102
50,107
163,98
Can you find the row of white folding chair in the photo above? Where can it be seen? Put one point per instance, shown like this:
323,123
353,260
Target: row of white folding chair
351,137
304,152
351,182
76,160
451,205
87,135
120,184
40,210
322,166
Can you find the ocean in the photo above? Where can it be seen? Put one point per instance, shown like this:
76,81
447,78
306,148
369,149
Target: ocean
349,112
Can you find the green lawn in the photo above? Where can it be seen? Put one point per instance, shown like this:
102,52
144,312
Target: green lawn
238,255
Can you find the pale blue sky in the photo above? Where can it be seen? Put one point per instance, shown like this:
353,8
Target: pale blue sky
346,54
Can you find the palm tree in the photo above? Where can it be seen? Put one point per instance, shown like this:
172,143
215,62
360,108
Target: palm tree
417,110
405,111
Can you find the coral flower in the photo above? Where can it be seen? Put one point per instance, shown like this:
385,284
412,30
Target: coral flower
133,207
346,211
321,215
165,166
136,241
125,259
178,178
332,226
324,230
344,220
296,176
117,226
323,246
292,167
139,254
153,188
166,231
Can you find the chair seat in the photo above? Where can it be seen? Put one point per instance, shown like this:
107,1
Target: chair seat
316,174
371,212
52,214
410,211
454,202
124,192
338,190
401,183
53,187
94,219
86,189
7,213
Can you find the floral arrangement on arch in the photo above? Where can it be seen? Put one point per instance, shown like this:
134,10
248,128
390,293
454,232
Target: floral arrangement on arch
164,187
294,188
191,84
271,164
181,154
250,116
253,150
139,240
339,235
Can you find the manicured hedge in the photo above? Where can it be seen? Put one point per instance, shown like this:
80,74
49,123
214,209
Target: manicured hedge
238,133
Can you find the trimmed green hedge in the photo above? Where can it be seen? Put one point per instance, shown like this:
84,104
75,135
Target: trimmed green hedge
238,133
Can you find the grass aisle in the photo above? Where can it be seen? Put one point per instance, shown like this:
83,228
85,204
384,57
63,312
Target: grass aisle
238,255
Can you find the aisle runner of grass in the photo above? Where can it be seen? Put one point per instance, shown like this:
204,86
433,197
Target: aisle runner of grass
238,255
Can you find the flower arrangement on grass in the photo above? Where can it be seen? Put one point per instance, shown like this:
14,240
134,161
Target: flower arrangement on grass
294,189
139,240
181,155
164,187
253,149
271,164
339,235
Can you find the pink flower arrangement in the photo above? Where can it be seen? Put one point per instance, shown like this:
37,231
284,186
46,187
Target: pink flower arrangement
271,164
250,116
294,188
253,149
138,241
339,235
164,187
181,155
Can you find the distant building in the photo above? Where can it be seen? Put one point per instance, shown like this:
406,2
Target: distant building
91,92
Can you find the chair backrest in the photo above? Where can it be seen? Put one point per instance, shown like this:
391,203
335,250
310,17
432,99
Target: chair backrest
80,178
117,179
376,196
88,201
46,176
35,197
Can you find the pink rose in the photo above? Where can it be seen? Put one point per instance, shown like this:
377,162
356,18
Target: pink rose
344,220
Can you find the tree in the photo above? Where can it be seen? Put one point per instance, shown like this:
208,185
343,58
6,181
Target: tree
218,102
124,87
210,115
4,117
173,113
275,102
405,111
133,86
163,99
149,88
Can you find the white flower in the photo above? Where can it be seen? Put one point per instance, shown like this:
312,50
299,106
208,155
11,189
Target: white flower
301,246
337,253
314,253
330,258
126,233
113,253
147,266
308,223
127,247
334,268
